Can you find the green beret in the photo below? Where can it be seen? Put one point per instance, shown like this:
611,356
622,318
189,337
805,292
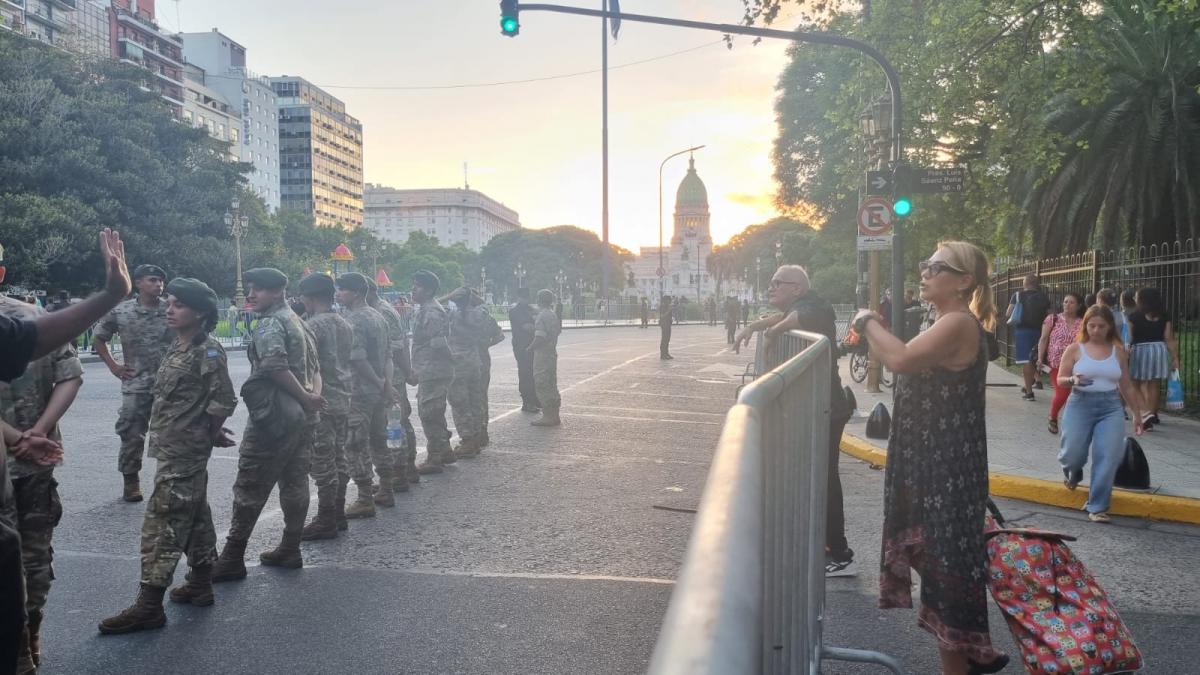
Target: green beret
353,281
545,297
148,271
427,279
268,278
316,284
193,293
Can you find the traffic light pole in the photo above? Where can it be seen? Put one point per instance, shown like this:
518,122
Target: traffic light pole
875,55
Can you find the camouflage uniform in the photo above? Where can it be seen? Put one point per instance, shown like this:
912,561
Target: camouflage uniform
335,342
36,508
279,341
144,340
401,363
492,335
366,441
466,389
192,385
545,359
435,370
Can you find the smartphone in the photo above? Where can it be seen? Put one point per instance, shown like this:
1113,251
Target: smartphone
1084,382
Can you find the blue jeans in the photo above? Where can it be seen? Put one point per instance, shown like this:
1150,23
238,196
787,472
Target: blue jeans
1095,420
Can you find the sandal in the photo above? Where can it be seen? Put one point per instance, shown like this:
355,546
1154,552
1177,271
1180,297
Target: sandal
1052,426
1099,517
1073,479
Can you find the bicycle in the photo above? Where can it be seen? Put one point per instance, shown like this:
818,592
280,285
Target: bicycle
856,348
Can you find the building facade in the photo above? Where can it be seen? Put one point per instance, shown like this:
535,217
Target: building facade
320,154
207,109
139,41
685,260
453,215
92,33
257,141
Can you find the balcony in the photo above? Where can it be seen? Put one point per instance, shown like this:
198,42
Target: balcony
148,50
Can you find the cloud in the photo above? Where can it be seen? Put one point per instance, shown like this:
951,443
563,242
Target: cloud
761,202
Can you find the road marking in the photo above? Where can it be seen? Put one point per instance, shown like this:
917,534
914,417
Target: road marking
543,576
607,458
639,419
647,410
649,393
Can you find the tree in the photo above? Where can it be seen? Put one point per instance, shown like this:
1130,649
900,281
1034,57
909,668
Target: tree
542,253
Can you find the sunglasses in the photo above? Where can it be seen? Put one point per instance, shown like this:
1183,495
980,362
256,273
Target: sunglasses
776,283
932,268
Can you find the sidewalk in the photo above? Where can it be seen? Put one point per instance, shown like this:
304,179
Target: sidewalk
1022,454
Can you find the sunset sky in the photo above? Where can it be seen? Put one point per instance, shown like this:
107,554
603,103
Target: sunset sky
535,146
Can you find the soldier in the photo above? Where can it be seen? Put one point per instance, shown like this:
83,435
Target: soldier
335,342
664,325
545,360
193,398
141,322
466,389
434,369
520,319
402,376
33,404
370,364
283,398
491,336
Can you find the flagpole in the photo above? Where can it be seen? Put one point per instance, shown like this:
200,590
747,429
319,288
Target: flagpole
604,153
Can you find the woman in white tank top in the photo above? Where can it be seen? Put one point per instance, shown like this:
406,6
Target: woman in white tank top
1096,367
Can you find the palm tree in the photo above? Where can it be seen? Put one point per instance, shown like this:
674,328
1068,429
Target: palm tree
1129,169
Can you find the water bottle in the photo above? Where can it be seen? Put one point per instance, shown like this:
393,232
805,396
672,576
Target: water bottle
395,432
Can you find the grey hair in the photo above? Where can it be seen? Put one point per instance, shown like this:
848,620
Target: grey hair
802,281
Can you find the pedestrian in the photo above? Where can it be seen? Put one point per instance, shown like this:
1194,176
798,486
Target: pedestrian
434,368
1154,351
710,308
491,336
281,396
141,323
732,309
1034,306
405,457
466,388
936,480
33,404
1059,331
799,307
645,312
1096,369
664,327
231,318
366,433
745,312
545,360
194,397
330,470
520,321
1109,298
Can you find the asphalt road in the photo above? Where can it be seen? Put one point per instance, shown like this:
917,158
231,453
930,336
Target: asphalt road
544,555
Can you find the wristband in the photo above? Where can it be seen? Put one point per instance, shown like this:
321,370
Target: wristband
860,326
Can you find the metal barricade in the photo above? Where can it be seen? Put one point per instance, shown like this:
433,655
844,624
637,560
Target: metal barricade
750,597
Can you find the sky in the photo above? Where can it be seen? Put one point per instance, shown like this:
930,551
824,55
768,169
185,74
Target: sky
534,146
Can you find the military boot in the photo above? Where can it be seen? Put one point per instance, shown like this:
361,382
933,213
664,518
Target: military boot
482,440
231,566
448,456
414,476
287,554
549,418
324,524
198,590
145,613
364,506
400,478
25,664
35,636
339,505
384,494
432,463
133,488
468,448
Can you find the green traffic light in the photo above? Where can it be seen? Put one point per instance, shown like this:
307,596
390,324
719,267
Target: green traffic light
509,24
902,206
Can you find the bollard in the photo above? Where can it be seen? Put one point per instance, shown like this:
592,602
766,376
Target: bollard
850,400
1134,471
879,424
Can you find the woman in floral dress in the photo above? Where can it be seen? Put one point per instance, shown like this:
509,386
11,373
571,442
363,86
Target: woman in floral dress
936,485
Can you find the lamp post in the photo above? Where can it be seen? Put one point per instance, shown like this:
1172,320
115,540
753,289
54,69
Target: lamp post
561,278
237,224
662,270
877,132
520,274
368,250
757,276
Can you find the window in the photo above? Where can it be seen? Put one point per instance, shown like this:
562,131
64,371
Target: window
187,115
233,134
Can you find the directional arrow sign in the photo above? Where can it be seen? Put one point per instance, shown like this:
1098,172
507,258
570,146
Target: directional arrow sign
880,183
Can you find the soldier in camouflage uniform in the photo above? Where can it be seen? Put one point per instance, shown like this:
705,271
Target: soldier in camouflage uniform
434,369
492,336
283,399
405,467
335,342
141,322
193,398
545,359
370,362
34,403
466,389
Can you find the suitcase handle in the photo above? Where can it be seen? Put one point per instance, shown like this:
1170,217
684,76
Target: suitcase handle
1027,532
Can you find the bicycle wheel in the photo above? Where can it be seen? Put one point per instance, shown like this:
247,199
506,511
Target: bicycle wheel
858,367
887,378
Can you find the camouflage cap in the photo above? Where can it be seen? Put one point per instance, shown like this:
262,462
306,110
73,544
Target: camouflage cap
148,271
427,279
353,281
316,284
193,293
266,277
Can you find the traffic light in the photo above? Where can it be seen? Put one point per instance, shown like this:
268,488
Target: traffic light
902,206
510,20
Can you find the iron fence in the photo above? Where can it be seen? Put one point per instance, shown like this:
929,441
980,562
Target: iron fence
750,597
1172,268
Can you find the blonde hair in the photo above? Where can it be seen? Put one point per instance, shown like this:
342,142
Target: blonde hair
970,259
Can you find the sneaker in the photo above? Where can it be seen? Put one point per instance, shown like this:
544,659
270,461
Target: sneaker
840,568
1027,394
1038,385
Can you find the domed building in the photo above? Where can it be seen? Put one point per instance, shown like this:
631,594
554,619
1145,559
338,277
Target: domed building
685,259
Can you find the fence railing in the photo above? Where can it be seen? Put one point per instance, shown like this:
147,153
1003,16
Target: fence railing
750,597
1172,268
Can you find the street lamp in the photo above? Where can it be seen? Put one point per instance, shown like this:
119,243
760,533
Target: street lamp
520,274
237,224
757,276
662,270
368,250
561,278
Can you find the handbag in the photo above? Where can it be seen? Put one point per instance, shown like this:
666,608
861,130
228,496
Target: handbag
1174,391
1015,318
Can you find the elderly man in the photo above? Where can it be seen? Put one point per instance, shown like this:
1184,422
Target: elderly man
801,308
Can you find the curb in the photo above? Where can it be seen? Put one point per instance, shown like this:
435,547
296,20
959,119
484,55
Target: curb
1039,491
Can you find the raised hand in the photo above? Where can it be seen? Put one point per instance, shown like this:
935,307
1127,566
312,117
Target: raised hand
112,251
